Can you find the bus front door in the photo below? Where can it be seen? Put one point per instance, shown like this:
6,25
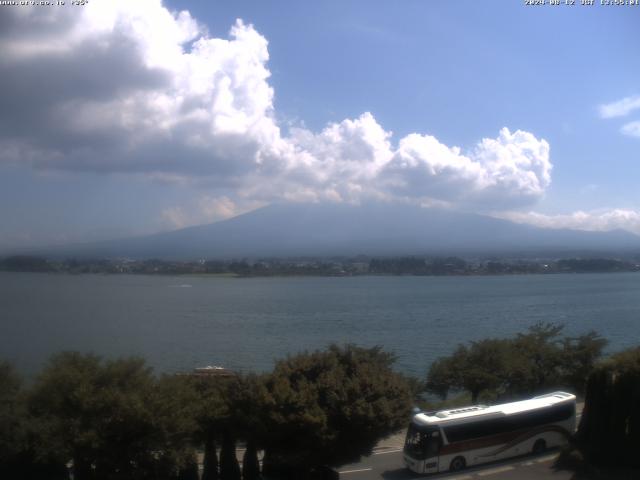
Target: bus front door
432,450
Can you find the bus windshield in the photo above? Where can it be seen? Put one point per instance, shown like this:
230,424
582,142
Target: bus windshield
422,443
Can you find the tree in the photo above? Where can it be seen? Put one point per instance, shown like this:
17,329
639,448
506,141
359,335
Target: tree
543,360
63,400
25,263
536,361
250,463
416,387
175,406
11,414
98,413
13,437
332,406
518,367
210,461
485,367
24,453
479,367
579,356
249,401
212,416
443,375
190,470
609,431
233,408
229,468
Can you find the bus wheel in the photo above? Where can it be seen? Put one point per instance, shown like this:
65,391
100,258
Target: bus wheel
457,464
539,447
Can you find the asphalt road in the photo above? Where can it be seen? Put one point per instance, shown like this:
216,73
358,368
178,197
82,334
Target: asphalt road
388,465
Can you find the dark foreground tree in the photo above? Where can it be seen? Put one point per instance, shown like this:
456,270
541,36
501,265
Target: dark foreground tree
24,451
213,416
330,407
175,409
189,470
250,463
580,354
100,414
249,402
210,460
13,437
609,431
229,467
11,418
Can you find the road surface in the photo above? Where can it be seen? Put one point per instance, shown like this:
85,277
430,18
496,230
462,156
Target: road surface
388,465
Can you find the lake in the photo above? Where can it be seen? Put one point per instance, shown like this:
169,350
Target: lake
181,322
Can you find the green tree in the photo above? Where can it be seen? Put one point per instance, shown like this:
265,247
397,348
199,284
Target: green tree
11,414
229,467
332,406
16,459
416,386
609,431
485,367
536,361
189,471
479,367
24,453
213,414
542,359
539,359
579,356
210,460
234,409
63,400
98,413
249,401
176,408
250,463
443,375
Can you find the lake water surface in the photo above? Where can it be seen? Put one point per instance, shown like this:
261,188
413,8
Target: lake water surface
178,323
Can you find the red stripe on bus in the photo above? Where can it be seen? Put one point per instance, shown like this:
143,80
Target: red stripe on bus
510,438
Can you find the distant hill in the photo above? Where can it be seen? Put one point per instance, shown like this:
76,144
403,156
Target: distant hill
291,230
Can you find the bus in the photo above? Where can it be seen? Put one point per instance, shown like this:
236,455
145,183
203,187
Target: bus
458,438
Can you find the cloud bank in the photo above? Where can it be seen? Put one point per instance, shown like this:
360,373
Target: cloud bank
599,220
131,87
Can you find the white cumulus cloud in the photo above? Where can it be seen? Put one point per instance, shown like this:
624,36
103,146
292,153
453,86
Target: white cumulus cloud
512,169
121,86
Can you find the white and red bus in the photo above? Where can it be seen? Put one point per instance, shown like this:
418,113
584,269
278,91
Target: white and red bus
461,437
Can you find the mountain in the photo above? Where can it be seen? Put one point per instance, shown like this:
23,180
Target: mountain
293,230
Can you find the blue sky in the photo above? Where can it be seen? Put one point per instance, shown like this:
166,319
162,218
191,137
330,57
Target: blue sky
109,128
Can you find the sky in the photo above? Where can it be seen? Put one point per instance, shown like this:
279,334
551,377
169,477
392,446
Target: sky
122,118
